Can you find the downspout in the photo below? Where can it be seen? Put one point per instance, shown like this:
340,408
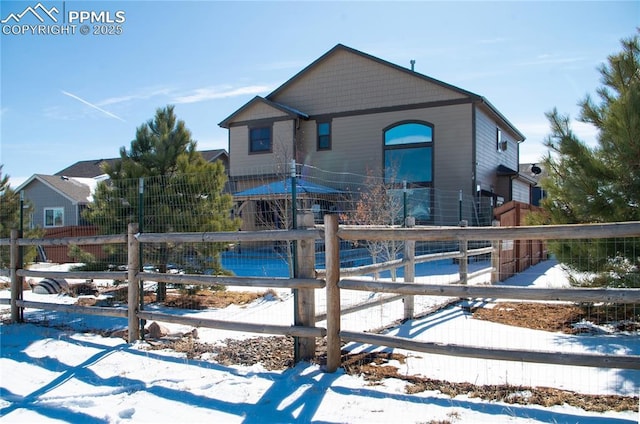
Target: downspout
296,126
474,158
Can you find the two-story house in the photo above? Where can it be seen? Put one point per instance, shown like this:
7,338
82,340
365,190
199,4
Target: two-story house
350,112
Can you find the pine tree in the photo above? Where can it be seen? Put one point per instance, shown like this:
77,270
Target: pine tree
9,214
10,219
602,183
182,192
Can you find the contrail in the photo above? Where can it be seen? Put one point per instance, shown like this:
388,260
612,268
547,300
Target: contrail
73,96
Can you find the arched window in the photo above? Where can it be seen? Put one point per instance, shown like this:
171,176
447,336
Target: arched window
408,153
408,157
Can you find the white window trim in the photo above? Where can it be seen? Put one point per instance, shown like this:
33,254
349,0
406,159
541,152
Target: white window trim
53,209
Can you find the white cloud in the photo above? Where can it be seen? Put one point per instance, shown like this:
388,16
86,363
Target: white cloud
141,95
14,182
220,92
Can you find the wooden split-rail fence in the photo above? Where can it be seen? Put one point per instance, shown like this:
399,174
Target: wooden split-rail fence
334,279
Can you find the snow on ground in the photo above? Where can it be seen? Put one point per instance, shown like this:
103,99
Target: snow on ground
50,375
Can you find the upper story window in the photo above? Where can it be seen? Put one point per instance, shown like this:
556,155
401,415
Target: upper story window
53,217
324,136
260,140
408,153
501,143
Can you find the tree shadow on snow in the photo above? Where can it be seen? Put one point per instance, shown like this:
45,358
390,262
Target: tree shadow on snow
271,407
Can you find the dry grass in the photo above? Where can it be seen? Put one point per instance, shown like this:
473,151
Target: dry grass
205,299
374,367
562,318
201,299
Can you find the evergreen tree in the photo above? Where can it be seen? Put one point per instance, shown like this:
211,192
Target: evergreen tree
602,183
9,215
182,192
10,219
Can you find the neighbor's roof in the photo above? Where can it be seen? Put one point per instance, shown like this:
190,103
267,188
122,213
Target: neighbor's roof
93,168
86,168
77,190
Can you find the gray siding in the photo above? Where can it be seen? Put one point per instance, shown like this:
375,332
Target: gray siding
488,158
42,197
521,191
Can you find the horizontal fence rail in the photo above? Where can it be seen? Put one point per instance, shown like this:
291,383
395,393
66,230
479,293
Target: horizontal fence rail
335,282
556,358
610,295
543,232
333,279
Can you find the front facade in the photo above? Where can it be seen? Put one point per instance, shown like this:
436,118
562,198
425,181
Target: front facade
349,112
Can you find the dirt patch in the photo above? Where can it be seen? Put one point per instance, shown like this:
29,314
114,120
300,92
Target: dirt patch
213,299
202,299
375,367
564,318
276,353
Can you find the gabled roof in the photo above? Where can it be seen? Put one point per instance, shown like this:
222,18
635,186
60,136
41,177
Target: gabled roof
294,113
342,48
76,190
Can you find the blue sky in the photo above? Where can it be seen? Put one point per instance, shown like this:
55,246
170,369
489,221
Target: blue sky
71,97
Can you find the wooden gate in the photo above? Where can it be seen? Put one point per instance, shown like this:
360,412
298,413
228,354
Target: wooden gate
517,255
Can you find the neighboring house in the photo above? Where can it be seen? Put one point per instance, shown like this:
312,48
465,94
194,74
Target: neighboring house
58,201
352,112
533,172
57,204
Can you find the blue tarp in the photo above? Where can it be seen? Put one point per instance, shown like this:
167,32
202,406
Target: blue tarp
284,187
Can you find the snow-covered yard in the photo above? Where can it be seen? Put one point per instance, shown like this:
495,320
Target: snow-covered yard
61,373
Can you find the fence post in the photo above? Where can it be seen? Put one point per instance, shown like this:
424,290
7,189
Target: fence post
332,263
133,292
409,268
16,282
305,306
495,257
464,257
